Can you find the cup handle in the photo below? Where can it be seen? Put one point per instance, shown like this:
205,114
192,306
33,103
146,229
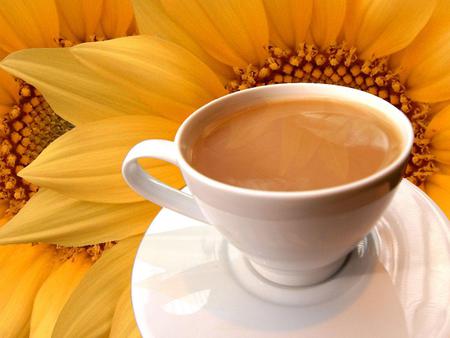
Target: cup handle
150,187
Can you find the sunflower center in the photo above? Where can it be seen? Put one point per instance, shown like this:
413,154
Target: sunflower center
94,252
24,132
63,42
340,65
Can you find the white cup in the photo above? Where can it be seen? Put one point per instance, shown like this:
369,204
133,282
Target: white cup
290,238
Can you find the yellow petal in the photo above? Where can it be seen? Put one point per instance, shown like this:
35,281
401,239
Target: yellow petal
327,19
138,75
9,92
4,216
53,218
441,140
153,20
442,156
26,24
440,196
54,293
86,162
117,18
123,323
170,80
439,122
5,253
4,219
424,65
379,27
72,90
90,309
438,106
79,19
442,181
444,169
233,31
21,275
288,21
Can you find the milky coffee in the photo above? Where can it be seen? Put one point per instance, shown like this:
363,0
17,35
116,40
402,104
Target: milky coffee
296,145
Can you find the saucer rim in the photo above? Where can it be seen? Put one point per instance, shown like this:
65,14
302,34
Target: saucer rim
425,202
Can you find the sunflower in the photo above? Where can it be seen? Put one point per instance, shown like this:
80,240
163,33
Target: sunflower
109,95
38,282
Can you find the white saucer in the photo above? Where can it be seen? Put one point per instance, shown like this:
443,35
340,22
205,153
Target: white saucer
189,282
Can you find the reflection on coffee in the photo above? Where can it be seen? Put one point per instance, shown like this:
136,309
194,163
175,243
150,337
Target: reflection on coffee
295,145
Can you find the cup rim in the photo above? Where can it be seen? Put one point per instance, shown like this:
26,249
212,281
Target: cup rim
355,95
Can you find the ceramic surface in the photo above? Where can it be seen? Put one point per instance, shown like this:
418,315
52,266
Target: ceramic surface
189,282
303,237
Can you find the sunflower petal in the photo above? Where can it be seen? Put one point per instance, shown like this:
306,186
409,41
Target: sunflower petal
327,19
54,293
4,219
153,20
4,205
442,156
167,78
424,65
442,181
444,169
117,18
5,253
73,91
233,31
86,162
123,323
9,92
90,309
49,217
439,122
433,91
138,75
440,195
377,27
438,106
441,140
26,24
288,21
22,273
79,19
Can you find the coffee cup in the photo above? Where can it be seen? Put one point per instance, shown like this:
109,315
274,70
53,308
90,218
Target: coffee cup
292,238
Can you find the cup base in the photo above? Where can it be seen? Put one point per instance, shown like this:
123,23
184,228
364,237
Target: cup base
299,278
340,280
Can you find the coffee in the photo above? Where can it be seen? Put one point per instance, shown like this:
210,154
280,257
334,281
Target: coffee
295,145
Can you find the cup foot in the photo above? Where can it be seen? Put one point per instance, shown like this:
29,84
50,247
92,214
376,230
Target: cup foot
299,278
338,280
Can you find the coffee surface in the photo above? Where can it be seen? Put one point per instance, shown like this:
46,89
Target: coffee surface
295,145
